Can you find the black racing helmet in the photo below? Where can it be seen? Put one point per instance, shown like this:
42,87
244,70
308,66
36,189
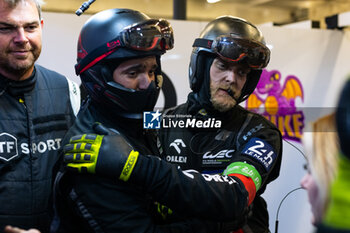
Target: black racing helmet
111,37
235,40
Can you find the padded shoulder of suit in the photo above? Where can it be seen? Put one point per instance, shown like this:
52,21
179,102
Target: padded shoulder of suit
52,78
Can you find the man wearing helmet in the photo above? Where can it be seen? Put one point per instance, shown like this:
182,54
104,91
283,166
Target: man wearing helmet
225,67
120,69
233,164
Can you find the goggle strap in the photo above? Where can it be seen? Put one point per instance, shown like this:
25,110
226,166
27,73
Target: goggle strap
204,43
97,54
93,62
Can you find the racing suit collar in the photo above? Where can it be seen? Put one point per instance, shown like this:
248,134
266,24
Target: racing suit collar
130,125
18,88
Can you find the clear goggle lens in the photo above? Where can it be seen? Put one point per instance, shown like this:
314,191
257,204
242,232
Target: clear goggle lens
153,34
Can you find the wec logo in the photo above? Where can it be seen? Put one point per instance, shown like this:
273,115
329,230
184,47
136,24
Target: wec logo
220,155
8,147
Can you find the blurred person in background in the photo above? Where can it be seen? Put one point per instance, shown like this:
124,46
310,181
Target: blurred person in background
322,148
337,216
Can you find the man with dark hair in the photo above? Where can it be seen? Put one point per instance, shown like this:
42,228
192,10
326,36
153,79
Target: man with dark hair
118,57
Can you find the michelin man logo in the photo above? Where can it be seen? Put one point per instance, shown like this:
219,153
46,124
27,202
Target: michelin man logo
151,120
8,147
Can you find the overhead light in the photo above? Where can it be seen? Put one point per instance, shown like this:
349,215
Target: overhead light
213,1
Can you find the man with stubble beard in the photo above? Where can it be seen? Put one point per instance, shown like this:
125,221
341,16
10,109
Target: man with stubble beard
37,106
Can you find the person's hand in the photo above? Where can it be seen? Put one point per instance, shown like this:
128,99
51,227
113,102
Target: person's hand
106,153
10,229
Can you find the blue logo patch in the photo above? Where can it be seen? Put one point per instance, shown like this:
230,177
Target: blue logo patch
151,120
261,151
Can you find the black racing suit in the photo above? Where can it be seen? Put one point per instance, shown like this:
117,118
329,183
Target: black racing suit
35,114
97,204
242,136
90,203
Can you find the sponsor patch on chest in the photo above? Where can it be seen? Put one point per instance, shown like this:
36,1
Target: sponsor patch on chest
176,159
11,148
